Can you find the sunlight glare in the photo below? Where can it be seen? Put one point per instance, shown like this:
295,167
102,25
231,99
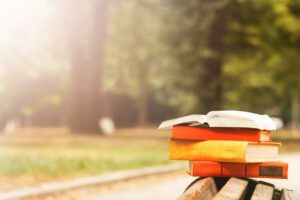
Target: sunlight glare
20,16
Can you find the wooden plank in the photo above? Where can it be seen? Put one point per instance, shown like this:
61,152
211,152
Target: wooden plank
234,189
262,192
290,195
201,189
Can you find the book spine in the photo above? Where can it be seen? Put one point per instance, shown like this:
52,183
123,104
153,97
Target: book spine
264,170
193,133
205,169
232,151
209,168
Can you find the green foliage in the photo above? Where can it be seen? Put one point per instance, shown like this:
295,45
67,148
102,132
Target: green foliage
161,49
193,43
263,42
248,85
133,47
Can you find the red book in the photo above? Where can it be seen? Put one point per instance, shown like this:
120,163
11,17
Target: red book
254,170
206,133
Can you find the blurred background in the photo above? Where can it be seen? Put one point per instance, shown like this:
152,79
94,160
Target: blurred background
84,84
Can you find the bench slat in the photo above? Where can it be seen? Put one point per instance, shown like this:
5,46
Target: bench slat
290,195
234,189
262,192
201,189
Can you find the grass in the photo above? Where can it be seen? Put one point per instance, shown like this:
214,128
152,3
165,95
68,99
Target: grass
69,160
30,159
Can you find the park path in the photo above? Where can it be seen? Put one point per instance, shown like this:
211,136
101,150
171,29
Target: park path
162,189
170,188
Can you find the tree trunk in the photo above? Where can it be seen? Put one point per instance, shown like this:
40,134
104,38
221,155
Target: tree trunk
211,79
85,75
143,95
295,110
141,64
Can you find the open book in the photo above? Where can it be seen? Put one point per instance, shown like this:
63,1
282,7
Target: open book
226,118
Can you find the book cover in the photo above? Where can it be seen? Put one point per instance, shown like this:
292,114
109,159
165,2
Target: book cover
223,151
255,170
206,133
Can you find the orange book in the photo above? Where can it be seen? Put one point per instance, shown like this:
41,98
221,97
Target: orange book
254,170
223,151
206,133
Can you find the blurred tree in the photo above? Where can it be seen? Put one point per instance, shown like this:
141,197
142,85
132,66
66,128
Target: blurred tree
135,54
32,68
248,80
195,34
287,69
266,35
175,56
86,59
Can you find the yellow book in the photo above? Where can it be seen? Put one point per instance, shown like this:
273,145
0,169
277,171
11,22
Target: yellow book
223,151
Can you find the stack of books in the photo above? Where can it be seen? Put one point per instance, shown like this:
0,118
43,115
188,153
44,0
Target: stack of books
226,143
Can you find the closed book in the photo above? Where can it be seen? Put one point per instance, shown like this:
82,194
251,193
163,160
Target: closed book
223,151
206,133
255,170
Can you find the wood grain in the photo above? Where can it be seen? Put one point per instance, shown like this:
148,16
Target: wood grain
202,189
290,195
234,189
262,192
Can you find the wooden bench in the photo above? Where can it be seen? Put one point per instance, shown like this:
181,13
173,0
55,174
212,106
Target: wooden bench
230,188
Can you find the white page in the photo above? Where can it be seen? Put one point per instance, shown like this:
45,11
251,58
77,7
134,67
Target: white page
190,119
233,118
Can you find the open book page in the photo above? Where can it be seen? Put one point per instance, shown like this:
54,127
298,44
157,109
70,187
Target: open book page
231,118
190,119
